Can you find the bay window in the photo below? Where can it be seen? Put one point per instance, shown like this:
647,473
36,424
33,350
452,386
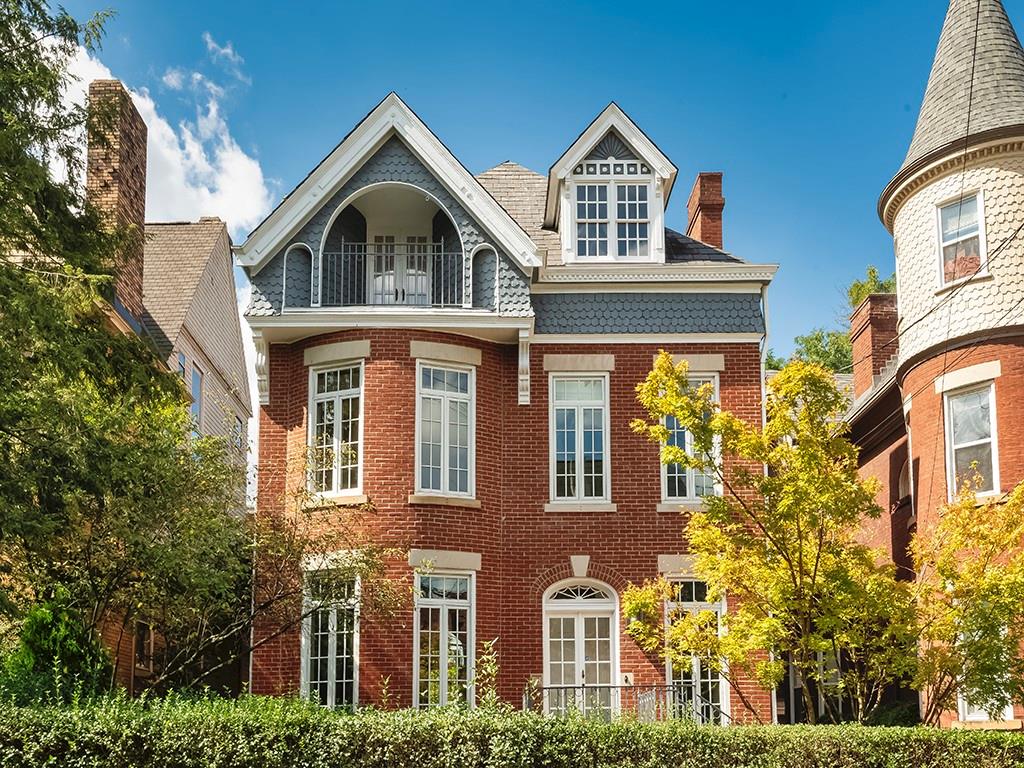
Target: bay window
971,446
336,428
445,430
329,641
961,238
443,639
579,442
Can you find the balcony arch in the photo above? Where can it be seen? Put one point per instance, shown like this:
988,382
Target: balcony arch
395,244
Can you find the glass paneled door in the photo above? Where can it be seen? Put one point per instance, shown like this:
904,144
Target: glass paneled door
401,271
581,648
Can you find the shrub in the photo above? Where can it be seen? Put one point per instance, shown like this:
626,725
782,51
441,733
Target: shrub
276,733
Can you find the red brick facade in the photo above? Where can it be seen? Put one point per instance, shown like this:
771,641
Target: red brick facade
524,549
704,209
872,336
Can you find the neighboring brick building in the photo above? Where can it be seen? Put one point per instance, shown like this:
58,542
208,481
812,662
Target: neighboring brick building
175,286
942,389
462,352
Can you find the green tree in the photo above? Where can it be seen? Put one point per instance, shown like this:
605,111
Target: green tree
106,500
780,544
773,362
861,289
829,349
970,603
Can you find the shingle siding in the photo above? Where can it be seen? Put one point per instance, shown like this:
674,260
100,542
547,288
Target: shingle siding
648,313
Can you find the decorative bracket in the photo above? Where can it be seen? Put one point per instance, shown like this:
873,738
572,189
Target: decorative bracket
524,367
262,367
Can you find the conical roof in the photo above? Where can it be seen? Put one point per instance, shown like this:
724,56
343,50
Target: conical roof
997,100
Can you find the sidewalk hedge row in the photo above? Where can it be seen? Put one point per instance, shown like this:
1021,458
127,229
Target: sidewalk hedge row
273,733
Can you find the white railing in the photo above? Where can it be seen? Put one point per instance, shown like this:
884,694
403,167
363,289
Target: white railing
399,274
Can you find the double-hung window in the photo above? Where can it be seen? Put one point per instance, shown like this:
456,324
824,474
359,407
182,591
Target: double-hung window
579,438
961,238
336,428
971,445
329,640
695,684
591,220
679,483
444,424
443,639
632,220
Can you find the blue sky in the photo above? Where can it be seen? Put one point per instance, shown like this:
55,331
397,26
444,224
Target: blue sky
807,107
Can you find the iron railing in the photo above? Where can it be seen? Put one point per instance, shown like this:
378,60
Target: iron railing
643,702
398,274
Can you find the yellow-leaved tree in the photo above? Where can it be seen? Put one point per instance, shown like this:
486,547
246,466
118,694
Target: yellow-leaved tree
779,543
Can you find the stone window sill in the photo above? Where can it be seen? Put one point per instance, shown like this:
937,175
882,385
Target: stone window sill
979,278
989,725
339,500
434,499
681,505
580,506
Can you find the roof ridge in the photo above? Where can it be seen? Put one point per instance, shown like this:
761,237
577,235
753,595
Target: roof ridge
994,100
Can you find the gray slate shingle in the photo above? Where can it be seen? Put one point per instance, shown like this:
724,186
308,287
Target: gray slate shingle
998,96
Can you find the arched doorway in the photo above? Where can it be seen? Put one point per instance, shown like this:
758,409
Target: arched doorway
581,648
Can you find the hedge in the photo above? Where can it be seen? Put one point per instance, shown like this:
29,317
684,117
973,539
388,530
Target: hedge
274,733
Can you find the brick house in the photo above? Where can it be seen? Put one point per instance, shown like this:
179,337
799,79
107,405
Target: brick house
175,287
462,352
939,366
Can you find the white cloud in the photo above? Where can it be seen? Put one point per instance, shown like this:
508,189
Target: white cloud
174,78
228,55
195,168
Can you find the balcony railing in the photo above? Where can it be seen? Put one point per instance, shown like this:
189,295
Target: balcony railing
398,274
643,702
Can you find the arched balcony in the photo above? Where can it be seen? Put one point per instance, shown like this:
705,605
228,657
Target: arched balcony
392,244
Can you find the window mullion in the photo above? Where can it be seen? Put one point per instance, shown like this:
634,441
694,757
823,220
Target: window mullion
445,438
442,671
332,653
580,474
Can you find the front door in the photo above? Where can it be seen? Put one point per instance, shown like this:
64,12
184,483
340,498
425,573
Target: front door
580,664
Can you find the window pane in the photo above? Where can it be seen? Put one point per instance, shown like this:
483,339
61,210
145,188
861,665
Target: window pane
961,259
960,220
565,453
970,416
430,443
975,459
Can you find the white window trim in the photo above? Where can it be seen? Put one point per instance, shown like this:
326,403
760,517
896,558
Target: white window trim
305,640
982,242
579,500
655,219
150,664
951,485
721,606
691,499
311,426
419,601
606,607
196,368
444,491
979,717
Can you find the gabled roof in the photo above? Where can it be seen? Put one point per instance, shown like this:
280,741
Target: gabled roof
522,193
611,119
392,117
175,257
995,104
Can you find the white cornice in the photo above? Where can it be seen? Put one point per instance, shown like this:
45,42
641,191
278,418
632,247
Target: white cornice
391,117
657,273
611,117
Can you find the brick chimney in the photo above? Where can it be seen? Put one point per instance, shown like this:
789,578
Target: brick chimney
116,180
705,208
873,328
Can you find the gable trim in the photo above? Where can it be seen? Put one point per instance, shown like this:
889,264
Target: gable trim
612,117
392,117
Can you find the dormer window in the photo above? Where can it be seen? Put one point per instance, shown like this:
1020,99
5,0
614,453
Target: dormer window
620,230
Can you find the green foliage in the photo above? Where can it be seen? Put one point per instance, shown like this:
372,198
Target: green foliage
861,289
829,349
56,658
773,362
263,733
781,544
970,603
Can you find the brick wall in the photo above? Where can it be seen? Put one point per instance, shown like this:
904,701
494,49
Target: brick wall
524,549
116,179
704,209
